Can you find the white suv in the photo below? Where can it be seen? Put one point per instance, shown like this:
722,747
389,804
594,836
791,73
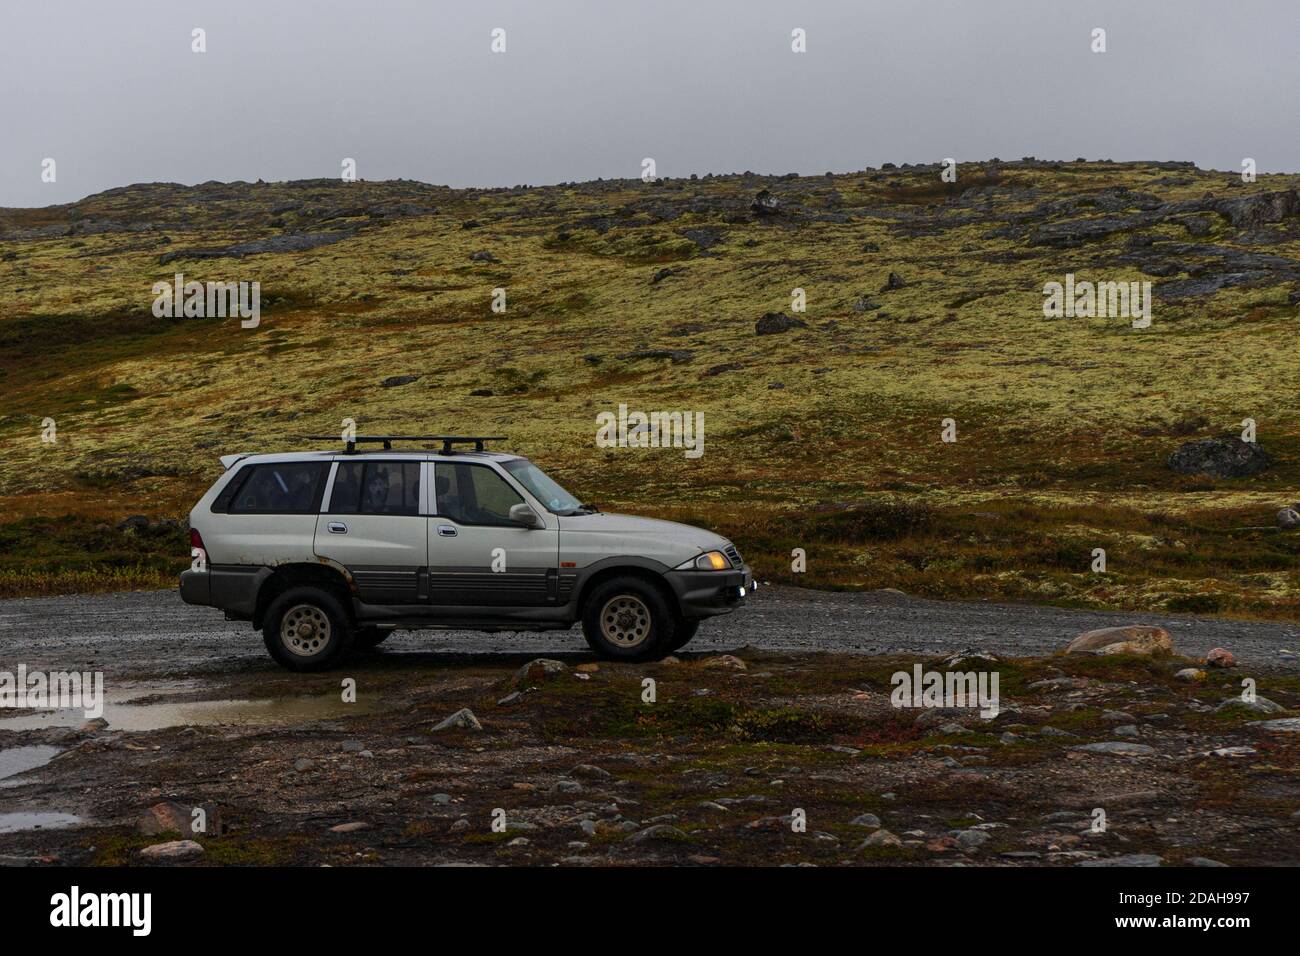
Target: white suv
325,551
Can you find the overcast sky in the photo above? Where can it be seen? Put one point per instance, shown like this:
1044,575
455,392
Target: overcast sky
411,88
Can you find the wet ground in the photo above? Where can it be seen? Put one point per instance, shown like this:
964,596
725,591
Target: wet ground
153,633
784,707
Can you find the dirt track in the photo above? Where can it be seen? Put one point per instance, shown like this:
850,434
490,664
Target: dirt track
154,634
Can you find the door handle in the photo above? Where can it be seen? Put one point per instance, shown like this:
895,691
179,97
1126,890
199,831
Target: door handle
337,527
446,530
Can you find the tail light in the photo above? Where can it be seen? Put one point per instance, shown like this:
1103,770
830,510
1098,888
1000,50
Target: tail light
196,540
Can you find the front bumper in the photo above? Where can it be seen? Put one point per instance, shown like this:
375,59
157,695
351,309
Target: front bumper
708,593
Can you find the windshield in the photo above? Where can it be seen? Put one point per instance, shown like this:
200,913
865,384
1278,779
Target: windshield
544,489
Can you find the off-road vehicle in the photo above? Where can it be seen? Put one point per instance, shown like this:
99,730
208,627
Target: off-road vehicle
326,551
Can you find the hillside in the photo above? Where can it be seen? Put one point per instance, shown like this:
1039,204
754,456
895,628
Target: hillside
825,436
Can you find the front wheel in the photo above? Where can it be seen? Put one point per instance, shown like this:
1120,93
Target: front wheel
628,619
306,629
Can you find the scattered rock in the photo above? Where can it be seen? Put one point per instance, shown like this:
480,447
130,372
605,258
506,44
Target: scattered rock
1133,639
1220,657
1204,861
765,204
174,850
463,719
866,820
724,660
482,256
656,834
881,838
303,764
774,323
1260,705
970,839
1121,748
352,827
395,380
1226,457
1289,517
1130,859
540,669
1190,675
895,281
173,817
1285,725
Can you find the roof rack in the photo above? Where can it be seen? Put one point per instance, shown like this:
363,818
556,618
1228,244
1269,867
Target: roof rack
350,445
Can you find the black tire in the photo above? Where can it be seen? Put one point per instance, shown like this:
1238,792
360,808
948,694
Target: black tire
686,628
327,626
368,638
634,608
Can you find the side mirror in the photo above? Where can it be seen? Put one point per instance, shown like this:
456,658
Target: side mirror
526,516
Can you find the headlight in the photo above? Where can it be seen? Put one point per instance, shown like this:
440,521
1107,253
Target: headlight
709,561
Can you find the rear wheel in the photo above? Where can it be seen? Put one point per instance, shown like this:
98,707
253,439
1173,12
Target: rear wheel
628,619
685,631
306,629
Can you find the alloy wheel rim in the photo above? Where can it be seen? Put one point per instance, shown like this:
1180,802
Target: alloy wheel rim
305,630
625,621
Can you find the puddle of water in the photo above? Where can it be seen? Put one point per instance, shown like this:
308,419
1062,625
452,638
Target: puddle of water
16,760
198,713
16,822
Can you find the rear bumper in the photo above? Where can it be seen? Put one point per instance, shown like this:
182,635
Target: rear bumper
709,593
233,588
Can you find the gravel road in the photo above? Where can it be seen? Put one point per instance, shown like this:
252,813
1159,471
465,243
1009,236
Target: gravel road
152,633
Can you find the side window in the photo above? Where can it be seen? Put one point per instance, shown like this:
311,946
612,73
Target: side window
287,488
474,494
376,488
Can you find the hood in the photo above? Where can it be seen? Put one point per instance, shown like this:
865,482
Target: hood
690,539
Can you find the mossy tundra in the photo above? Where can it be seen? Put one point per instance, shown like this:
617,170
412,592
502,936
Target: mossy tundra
826,437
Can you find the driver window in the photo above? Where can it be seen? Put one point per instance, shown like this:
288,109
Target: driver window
474,494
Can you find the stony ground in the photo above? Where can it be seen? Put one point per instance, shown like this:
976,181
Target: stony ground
760,757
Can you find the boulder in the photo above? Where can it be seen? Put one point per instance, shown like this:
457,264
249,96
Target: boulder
541,668
1226,457
172,817
729,661
765,204
1289,517
1134,639
175,850
1221,657
774,323
463,719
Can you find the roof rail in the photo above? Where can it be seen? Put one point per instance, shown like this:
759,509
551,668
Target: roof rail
350,445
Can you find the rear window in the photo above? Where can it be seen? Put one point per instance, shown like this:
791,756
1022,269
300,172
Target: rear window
287,488
376,488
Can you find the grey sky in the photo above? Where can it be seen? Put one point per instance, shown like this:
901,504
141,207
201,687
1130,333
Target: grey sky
409,88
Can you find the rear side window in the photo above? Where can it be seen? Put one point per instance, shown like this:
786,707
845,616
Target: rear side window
474,494
286,488
376,488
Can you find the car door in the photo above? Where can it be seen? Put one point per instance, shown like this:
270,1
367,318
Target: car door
372,522
478,557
